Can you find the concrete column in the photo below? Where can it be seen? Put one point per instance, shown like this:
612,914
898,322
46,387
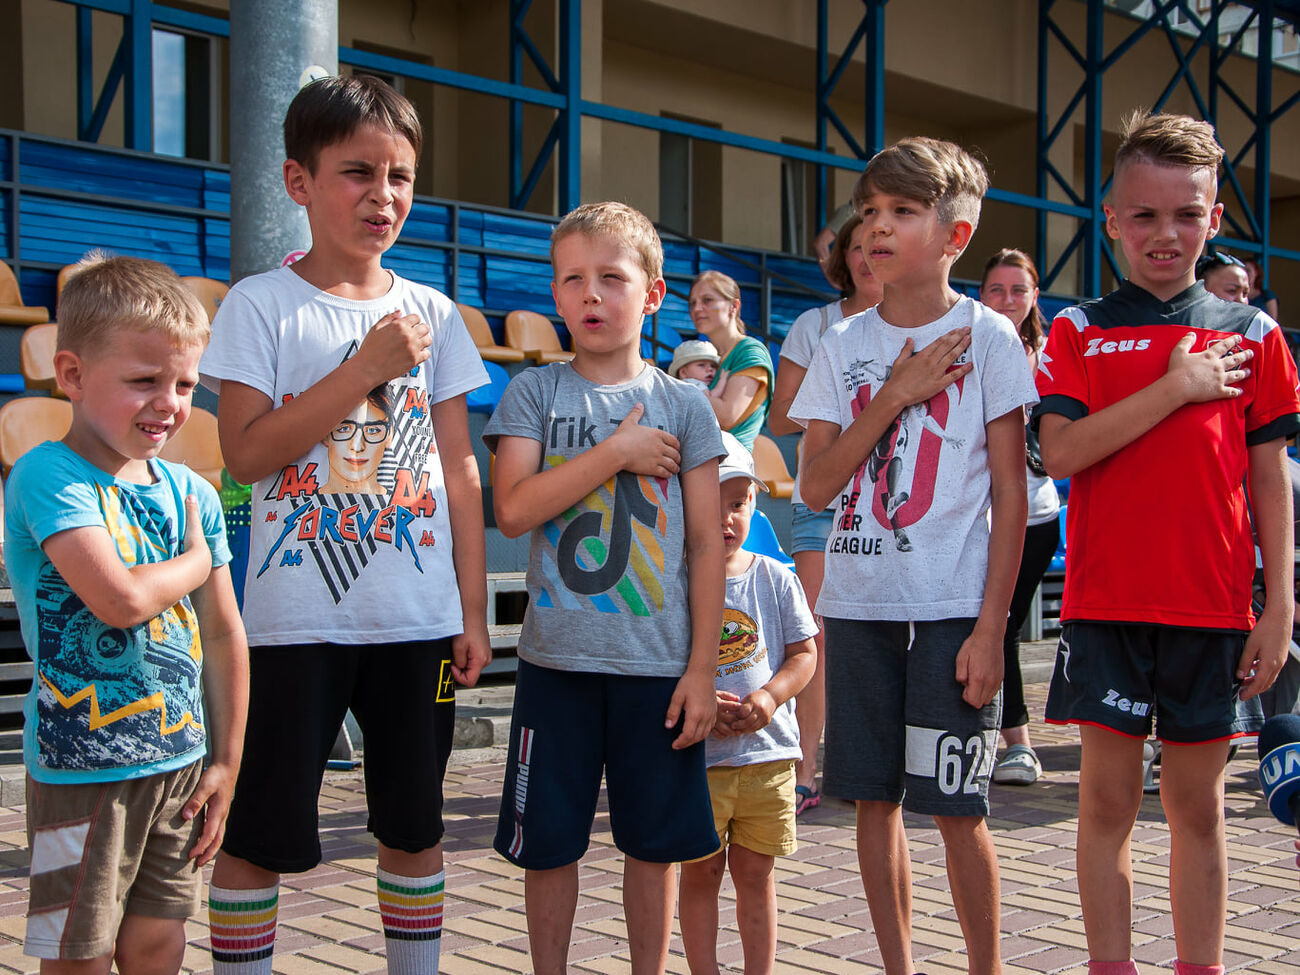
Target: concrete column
271,44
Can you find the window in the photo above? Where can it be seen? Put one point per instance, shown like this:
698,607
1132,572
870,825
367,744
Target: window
690,183
184,86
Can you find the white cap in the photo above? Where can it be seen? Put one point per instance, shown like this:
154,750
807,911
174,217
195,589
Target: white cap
739,462
692,350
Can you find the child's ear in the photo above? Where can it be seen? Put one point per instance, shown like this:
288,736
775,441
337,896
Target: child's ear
295,181
1112,222
68,373
1216,219
959,237
655,296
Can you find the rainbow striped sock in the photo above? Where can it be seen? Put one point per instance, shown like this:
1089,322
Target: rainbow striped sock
412,911
242,929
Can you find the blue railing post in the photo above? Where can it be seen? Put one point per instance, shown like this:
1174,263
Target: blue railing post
1091,285
570,168
138,38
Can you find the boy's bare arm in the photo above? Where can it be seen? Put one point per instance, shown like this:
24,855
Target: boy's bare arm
225,703
832,456
1270,499
789,377
124,596
980,659
472,649
1068,446
524,497
694,699
755,712
258,439
731,397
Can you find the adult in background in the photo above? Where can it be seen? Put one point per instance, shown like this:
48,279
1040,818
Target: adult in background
1260,295
846,269
742,389
1224,276
1010,286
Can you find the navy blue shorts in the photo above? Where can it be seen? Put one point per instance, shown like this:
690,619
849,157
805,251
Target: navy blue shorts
298,695
568,728
1121,675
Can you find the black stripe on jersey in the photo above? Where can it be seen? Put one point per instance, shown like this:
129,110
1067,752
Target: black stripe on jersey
1129,306
1283,426
1067,406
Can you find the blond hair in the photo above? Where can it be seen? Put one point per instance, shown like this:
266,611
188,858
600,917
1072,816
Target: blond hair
105,294
938,174
1169,140
726,286
625,224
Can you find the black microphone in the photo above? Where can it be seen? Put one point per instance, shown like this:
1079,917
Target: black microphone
1279,766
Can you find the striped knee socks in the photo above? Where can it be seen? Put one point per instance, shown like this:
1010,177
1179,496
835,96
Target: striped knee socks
412,911
242,929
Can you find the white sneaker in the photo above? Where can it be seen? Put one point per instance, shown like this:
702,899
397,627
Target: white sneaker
1150,767
1019,766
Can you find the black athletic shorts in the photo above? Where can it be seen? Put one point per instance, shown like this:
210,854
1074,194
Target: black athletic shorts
567,728
1122,675
403,697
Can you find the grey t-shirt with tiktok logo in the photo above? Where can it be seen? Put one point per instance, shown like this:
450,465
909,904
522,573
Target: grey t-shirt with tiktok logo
607,579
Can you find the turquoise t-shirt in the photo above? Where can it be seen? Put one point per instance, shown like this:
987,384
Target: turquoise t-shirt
749,353
107,704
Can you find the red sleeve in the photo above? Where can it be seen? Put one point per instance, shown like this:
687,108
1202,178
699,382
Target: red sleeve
1273,410
1062,377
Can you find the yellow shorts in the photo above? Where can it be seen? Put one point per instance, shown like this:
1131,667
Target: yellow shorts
753,806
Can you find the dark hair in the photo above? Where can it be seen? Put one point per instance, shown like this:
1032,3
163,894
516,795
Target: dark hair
381,398
1218,259
330,110
837,265
1034,326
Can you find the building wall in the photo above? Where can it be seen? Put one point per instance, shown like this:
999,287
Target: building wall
959,69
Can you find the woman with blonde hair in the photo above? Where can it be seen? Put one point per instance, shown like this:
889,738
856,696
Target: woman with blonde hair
742,389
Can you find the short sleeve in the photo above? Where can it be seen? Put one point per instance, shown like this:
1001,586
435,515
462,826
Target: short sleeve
520,412
1006,380
455,366
214,519
817,398
797,620
804,336
1062,379
1272,412
699,435
48,495
243,347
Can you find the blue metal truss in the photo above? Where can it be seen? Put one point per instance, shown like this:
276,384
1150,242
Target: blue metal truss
1196,39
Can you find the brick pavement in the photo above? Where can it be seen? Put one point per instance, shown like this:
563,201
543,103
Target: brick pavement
329,924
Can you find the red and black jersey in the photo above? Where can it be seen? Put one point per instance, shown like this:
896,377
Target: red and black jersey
1158,532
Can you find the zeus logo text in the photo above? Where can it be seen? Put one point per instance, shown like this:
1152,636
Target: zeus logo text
1138,708
1102,347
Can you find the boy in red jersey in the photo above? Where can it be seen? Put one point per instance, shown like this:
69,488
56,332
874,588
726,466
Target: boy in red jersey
1162,390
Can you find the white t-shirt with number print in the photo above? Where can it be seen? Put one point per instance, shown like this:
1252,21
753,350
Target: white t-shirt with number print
911,534
351,542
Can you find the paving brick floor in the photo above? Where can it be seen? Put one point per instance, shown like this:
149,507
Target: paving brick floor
329,923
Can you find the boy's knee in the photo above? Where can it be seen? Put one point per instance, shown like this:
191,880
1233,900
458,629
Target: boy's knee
1111,802
1201,816
150,945
749,869
705,872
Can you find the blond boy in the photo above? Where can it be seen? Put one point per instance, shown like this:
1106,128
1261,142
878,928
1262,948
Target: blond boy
612,467
118,561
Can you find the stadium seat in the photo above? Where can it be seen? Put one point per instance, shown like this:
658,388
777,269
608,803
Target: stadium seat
770,467
762,540
12,309
1058,560
197,446
28,422
485,398
481,333
535,336
209,292
36,357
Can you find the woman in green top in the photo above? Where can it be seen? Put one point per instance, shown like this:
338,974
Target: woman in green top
742,390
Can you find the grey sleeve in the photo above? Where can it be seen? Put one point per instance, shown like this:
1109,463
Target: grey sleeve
797,620
698,434
521,412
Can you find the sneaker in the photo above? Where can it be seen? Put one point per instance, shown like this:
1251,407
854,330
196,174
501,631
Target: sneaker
1151,767
806,798
1019,766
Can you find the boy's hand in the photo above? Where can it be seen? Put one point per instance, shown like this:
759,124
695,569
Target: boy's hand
727,704
394,346
915,377
211,798
979,668
754,713
1266,651
647,450
695,702
471,651
1208,375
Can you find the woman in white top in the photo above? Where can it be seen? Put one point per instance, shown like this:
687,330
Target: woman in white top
1010,286
847,269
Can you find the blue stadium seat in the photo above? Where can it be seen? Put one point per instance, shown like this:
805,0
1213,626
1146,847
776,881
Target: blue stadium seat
762,540
1058,560
485,398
